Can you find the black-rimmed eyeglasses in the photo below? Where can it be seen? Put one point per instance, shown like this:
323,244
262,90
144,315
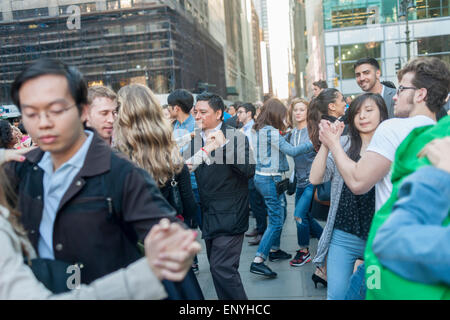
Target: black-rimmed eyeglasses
401,88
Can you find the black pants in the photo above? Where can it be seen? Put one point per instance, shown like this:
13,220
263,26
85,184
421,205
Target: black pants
224,254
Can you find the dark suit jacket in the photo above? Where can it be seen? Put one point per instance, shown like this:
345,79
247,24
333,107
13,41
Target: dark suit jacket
223,185
388,94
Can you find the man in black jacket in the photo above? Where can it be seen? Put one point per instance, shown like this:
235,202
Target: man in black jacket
223,189
81,203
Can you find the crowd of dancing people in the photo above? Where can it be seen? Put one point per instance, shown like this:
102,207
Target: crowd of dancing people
119,187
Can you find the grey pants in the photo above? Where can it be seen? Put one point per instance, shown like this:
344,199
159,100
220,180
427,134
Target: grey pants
224,253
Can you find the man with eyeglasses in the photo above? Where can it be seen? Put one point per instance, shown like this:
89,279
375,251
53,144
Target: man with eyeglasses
424,85
80,202
102,111
367,75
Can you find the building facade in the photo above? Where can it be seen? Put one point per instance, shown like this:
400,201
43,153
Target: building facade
261,10
240,73
357,29
256,42
114,43
299,48
316,66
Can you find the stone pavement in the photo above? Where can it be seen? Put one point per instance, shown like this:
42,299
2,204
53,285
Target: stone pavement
292,283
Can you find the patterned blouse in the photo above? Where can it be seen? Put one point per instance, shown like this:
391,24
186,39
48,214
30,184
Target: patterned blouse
355,212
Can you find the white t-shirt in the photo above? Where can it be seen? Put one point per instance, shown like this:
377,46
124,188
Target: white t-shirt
388,136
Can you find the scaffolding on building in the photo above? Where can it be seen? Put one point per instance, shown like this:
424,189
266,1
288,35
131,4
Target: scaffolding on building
150,44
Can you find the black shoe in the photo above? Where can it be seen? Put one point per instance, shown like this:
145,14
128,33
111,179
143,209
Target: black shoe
279,255
318,279
262,269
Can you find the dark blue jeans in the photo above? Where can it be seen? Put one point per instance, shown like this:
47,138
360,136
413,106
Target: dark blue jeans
276,210
307,226
258,207
198,215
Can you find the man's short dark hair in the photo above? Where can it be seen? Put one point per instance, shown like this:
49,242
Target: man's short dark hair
47,66
214,101
368,60
249,107
181,98
432,74
321,84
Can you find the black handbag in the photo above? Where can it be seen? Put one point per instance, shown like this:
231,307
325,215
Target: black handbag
321,204
292,187
175,197
324,192
282,186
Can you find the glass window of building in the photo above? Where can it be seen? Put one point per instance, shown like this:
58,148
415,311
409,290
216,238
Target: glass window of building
431,8
345,13
126,3
112,4
346,56
30,13
435,47
84,7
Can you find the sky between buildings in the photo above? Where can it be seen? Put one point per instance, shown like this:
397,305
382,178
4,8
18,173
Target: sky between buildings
279,36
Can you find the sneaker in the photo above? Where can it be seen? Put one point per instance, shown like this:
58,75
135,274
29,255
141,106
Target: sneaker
195,268
300,259
279,255
262,269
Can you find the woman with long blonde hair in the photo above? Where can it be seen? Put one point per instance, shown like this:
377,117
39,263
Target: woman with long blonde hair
307,226
143,134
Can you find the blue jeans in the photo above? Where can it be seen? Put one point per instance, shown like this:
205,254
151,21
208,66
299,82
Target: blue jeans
357,287
344,250
258,207
308,225
276,209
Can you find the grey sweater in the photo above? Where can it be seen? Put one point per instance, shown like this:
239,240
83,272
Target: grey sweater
337,182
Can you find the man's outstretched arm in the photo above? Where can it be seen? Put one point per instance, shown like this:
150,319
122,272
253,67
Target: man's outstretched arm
359,176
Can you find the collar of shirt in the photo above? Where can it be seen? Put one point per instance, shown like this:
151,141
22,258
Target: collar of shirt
202,133
189,122
382,90
248,126
76,161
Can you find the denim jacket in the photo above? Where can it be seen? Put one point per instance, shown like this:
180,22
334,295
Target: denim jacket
413,242
272,148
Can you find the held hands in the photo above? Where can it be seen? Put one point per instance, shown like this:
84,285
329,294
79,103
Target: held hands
170,250
438,152
330,133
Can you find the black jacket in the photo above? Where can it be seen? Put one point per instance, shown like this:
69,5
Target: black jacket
223,185
187,195
110,205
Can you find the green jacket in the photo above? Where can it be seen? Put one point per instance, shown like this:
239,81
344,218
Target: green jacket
382,284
